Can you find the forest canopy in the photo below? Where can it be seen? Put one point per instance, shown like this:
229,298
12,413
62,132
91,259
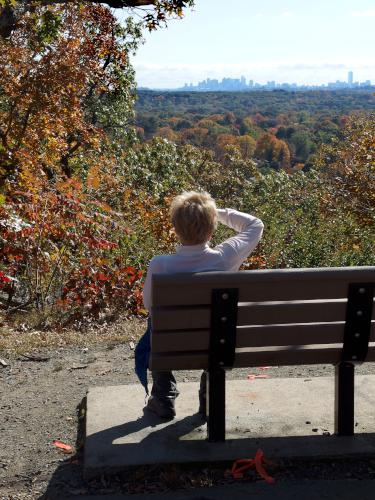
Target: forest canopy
278,129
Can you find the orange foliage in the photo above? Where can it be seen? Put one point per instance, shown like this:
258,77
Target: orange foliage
271,149
223,141
45,84
246,145
350,166
166,133
197,135
64,246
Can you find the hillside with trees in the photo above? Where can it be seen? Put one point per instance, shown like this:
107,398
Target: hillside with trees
85,182
279,129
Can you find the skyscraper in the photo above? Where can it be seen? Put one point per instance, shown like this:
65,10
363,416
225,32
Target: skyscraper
350,78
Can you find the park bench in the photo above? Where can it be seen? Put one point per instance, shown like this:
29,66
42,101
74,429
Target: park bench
219,320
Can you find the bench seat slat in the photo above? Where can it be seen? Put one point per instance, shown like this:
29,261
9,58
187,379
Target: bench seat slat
181,340
258,336
303,356
276,357
265,285
291,312
179,361
313,333
181,318
175,318
190,294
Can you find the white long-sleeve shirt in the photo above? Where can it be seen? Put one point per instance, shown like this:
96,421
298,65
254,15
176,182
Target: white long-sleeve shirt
228,256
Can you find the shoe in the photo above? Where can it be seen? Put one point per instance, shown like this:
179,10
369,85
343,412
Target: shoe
162,410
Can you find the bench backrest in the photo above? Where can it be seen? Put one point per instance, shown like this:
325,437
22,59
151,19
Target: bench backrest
284,317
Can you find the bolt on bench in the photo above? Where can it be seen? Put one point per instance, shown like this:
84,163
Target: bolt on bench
219,320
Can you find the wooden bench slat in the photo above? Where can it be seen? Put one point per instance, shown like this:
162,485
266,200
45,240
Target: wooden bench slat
182,340
314,333
181,318
300,355
258,336
265,285
199,361
291,312
303,356
178,361
267,313
191,294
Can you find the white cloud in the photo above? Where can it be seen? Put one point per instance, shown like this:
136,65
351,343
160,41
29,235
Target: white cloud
364,13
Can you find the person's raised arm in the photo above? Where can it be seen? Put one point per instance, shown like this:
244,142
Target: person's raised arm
249,228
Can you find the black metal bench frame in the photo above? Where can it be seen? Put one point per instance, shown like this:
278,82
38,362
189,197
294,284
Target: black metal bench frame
222,353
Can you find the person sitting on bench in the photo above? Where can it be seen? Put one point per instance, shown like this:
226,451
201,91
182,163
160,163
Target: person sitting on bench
194,216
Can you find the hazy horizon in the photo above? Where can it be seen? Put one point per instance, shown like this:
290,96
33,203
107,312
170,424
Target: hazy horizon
264,83
296,42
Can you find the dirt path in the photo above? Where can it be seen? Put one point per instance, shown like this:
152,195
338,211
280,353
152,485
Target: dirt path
40,403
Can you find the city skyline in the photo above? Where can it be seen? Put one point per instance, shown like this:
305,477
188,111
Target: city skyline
306,43
233,84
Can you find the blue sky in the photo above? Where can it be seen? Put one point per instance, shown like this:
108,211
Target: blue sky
303,41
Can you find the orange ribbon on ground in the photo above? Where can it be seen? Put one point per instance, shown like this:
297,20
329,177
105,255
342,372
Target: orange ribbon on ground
66,448
259,461
252,376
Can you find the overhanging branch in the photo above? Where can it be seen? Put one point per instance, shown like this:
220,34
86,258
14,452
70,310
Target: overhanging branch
8,16
116,4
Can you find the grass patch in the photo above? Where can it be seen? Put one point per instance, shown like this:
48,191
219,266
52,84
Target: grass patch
19,339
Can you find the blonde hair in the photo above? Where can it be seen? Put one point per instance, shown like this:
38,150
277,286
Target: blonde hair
194,217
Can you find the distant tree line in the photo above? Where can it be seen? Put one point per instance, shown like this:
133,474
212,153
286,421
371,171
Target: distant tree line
276,129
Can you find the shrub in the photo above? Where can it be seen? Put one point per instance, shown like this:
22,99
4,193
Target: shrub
62,251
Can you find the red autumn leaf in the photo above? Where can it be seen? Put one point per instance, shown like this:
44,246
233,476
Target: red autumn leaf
102,277
4,278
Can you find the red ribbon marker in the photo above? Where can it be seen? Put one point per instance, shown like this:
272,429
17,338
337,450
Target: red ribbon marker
259,461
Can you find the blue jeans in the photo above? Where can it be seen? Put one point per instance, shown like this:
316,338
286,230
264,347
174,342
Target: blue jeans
164,388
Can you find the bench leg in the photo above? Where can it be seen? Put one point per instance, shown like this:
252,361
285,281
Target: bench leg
216,404
344,399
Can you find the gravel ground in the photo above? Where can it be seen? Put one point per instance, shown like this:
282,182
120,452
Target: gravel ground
42,400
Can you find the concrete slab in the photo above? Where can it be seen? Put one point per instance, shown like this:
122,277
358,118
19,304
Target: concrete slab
284,417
